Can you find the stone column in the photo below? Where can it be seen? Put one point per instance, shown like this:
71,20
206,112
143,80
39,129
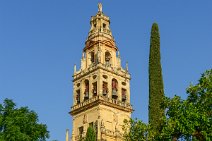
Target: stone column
82,89
90,87
88,59
99,83
109,86
98,126
128,92
113,54
73,134
74,95
102,56
119,90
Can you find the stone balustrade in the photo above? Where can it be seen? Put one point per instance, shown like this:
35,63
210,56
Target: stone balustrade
104,99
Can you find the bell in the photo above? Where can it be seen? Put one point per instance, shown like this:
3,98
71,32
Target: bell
114,94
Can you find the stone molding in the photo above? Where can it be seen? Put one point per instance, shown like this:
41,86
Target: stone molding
100,100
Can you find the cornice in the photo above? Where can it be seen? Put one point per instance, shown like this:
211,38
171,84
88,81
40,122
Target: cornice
100,100
82,73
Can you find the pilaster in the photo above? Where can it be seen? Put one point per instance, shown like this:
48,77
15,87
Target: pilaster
82,89
90,87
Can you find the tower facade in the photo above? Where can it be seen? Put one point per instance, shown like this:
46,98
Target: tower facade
101,87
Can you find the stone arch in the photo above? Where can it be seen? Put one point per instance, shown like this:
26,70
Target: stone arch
77,96
105,88
86,92
114,88
107,58
92,56
123,94
94,90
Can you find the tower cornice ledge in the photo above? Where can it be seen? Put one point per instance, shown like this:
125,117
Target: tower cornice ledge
100,100
119,72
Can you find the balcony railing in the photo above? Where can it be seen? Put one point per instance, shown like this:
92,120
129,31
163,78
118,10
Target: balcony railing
103,98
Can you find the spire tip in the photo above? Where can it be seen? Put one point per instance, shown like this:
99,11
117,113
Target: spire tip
99,7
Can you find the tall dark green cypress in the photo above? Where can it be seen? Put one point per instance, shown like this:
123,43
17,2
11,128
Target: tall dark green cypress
90,135
156,91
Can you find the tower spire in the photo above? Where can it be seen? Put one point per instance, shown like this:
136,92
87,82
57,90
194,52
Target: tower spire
100,31
100,7
101,87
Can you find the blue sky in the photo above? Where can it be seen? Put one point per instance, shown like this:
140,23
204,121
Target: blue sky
40,41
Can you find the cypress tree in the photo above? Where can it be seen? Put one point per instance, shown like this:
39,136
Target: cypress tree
90,135
156,91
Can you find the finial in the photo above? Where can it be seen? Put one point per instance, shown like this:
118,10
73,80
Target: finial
83,55
126,66
75,68
118,54
99,7
67,134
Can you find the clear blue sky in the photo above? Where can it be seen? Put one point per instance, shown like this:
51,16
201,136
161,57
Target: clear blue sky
40,41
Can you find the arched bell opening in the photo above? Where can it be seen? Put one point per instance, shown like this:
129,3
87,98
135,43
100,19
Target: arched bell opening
94,89
123,95
114,88
92,57
105,89
86,93
107,58
78,96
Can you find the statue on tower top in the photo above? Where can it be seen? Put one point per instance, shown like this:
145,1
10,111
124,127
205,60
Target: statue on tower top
99,7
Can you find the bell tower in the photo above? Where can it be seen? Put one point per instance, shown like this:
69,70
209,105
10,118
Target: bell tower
101,87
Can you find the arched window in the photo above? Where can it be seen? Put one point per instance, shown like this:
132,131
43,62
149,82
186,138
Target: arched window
78,96
124,94
95,89
86,93
107,58
114,88
105,88
104,25
92,57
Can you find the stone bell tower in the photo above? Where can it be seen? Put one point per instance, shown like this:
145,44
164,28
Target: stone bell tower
101,87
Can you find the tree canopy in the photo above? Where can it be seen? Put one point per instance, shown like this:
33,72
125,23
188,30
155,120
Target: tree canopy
20,124
189,119
136,130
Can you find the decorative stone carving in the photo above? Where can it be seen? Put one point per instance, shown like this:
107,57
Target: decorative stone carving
85,119
75,68
127,66
98,56
99,7
115,118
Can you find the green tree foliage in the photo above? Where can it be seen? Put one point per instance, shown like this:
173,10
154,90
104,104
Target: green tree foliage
189,119
136,130
20,124
90,135
156,90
